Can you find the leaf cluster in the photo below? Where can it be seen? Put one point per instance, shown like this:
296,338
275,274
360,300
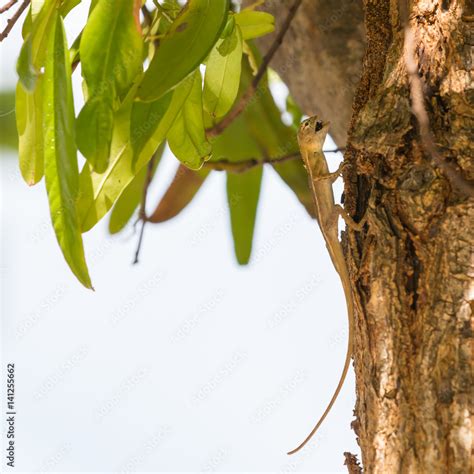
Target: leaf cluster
150,77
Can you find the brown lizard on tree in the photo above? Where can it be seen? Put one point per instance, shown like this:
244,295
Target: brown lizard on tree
311,136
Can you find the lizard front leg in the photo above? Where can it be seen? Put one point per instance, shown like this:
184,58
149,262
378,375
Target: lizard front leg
331,177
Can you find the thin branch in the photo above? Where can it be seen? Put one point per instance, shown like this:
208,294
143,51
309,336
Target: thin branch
142,212
149,174
245,165
7,6
11,22
244,100
419,111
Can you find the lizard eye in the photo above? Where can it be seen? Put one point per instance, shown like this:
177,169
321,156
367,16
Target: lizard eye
319,126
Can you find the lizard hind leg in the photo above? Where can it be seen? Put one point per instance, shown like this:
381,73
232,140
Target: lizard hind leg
351,223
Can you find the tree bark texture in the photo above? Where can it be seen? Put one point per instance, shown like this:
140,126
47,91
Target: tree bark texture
412,266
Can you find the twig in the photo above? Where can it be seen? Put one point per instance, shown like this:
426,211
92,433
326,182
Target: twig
7,6
245,165
244,100
11,22
419,111
142,212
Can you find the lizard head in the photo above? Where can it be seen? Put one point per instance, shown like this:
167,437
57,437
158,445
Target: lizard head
312,132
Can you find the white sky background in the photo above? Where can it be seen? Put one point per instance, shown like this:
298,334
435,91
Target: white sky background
185,362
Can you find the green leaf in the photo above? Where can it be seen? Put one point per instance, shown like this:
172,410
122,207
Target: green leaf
61,171
94,128
254,23
68,5
187,137
9,135
29,121
111,58
34,49
185,46
236,143
185,185
146,116
111,48
98,192
222,78
243,191
131,196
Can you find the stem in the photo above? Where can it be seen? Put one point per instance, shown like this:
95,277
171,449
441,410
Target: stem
7,6
142,212
11,22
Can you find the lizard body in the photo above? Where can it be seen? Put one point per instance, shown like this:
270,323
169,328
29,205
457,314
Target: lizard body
311,135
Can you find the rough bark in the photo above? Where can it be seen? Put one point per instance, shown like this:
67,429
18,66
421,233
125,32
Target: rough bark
321,57
411,266
414,335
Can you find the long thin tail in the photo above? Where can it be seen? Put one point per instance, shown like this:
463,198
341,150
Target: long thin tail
350,313
331,403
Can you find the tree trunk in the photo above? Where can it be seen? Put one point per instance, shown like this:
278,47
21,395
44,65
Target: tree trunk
411,266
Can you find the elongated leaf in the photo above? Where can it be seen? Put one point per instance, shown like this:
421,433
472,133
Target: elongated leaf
94,128
111,57
186,45
243,191
187,137
29,120
33,51
61,169
236,143
146,116
255,23
9,135
131,197
111,48
221,82
98,192
185,185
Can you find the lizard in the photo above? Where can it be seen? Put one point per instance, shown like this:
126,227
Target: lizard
311,136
